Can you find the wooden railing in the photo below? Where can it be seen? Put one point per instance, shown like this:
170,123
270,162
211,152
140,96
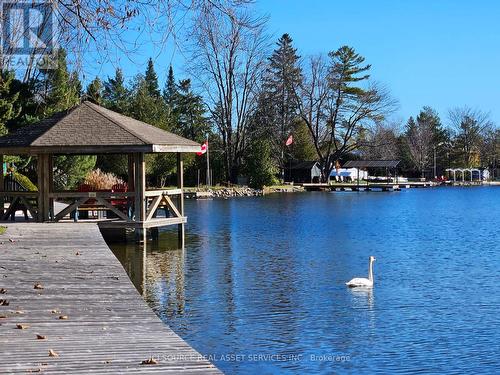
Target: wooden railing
28,199
154,199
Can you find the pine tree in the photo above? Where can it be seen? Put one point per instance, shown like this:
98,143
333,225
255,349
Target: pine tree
189,112
116,95
146,107
258,163
302,147
170,91
282,77
9,106
62,89
151,80
62,92
95,91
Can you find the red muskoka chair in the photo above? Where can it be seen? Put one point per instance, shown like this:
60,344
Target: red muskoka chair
121,203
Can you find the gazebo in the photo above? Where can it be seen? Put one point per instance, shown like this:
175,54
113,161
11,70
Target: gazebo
89,129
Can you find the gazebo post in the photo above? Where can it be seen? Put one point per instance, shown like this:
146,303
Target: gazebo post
39,184
43,187
180,185
131,175
50,185
2,208
130,184
140,187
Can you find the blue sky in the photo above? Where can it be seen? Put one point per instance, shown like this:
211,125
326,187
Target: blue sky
442,53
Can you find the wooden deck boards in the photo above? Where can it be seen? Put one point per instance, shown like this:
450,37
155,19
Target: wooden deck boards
109,330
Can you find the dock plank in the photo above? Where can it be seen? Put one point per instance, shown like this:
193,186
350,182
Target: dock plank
109,328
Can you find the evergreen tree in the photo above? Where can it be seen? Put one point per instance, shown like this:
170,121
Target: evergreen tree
302,147
189,111
62,92
170,91
116,97
151,80
9,106
115,94
258,164
281,80
440,139
95,91
62,89
147,107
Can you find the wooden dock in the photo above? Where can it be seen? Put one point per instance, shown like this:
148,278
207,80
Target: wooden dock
63,283
370,186
352,187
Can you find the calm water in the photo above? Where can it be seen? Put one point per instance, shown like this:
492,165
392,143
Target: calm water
265,277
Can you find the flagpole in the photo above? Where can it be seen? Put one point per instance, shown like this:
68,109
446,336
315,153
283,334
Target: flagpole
208,164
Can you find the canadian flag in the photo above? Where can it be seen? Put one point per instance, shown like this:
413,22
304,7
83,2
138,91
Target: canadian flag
289,141
204,148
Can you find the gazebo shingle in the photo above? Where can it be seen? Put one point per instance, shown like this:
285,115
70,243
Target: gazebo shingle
92,128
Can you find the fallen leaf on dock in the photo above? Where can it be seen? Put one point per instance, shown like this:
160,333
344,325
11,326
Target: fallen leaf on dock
22,326
3,316
4,302
38,286
63,317
11,240
149,361
35,370
78,253
3,290
52,353
41,337
55,311
19,312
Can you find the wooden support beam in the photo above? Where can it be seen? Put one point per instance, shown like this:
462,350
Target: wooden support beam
50,184
153,206
140,187
29,207
40,175
112,208
171,205
180,185
2,201
131,175
70,208
46,188
10,209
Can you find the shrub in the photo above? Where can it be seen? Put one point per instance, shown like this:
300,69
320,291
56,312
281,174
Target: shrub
100,180
24,181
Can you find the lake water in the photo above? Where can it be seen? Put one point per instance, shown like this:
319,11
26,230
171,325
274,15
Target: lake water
260,289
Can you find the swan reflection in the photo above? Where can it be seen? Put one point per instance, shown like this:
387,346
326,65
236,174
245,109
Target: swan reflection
362,298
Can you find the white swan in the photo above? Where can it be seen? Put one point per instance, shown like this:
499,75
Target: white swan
361,281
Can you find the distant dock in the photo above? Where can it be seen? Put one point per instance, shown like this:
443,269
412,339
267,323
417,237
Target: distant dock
67,306
371,186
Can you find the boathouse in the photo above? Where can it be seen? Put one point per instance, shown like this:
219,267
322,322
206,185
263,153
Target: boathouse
303,172
89,129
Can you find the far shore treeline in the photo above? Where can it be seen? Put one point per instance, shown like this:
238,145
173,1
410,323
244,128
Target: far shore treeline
248,98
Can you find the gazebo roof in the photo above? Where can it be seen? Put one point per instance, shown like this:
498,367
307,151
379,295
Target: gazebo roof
91,129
